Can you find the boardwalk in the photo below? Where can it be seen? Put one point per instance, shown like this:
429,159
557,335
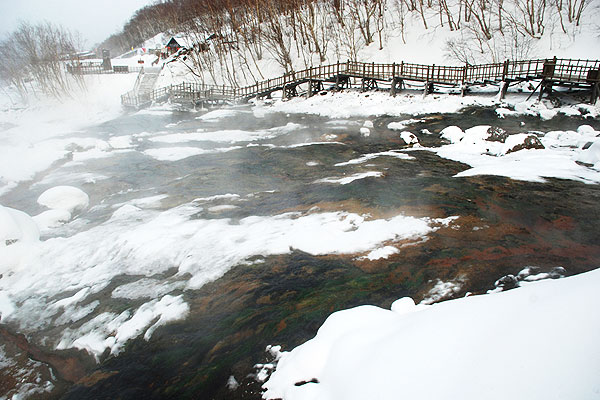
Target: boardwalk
584,74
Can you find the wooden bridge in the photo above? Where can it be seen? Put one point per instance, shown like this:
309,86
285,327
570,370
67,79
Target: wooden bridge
582,74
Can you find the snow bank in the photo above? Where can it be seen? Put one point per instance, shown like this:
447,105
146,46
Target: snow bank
19,235
16,226
355,104
535,342
560,157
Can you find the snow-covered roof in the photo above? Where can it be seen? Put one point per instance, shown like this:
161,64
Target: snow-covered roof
183,41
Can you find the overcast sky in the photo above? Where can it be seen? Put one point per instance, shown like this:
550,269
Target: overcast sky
95,20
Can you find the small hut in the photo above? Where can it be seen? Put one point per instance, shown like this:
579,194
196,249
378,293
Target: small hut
173,45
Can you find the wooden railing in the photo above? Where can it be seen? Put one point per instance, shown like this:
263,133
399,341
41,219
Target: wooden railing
100,70
557,70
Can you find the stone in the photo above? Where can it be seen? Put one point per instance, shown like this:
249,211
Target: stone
530,142
496,134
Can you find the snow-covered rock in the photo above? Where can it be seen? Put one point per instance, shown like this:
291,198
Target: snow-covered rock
65,198
16,226
409,138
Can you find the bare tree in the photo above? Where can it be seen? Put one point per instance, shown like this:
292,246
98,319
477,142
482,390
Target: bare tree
37,54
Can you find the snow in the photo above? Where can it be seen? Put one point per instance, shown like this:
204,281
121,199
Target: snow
221,208
121,142
401,125
536,342
557,160
64,198
145,242
56,281
371,156
226,136
443,290
180,153
227,196
52,219
591,155
16,226
383,252
145,202
216,115
409,138
146,288
355,104
110,331
349,179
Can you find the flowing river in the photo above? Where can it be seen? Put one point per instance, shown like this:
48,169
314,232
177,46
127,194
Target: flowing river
210,235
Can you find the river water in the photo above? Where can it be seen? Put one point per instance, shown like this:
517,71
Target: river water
231,188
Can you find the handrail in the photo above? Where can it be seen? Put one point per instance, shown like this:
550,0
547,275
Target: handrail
563,70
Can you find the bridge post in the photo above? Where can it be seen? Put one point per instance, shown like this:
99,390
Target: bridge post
503,89
289,91
504,70
505,81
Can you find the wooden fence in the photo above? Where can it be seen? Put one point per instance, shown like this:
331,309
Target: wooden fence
100,70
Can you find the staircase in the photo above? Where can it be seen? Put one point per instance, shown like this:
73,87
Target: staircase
147,81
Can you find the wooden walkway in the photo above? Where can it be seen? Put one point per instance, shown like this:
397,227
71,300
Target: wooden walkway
583,74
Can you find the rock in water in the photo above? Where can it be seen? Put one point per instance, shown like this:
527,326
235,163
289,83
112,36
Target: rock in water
530,142
496,134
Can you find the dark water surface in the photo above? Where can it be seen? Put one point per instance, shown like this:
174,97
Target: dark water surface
504,226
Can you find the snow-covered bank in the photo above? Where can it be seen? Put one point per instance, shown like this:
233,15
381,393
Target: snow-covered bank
354,103
34,135
527,156
535,342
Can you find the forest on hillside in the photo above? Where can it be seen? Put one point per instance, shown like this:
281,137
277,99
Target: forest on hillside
314,31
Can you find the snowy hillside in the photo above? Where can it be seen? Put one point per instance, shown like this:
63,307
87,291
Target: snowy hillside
428,36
